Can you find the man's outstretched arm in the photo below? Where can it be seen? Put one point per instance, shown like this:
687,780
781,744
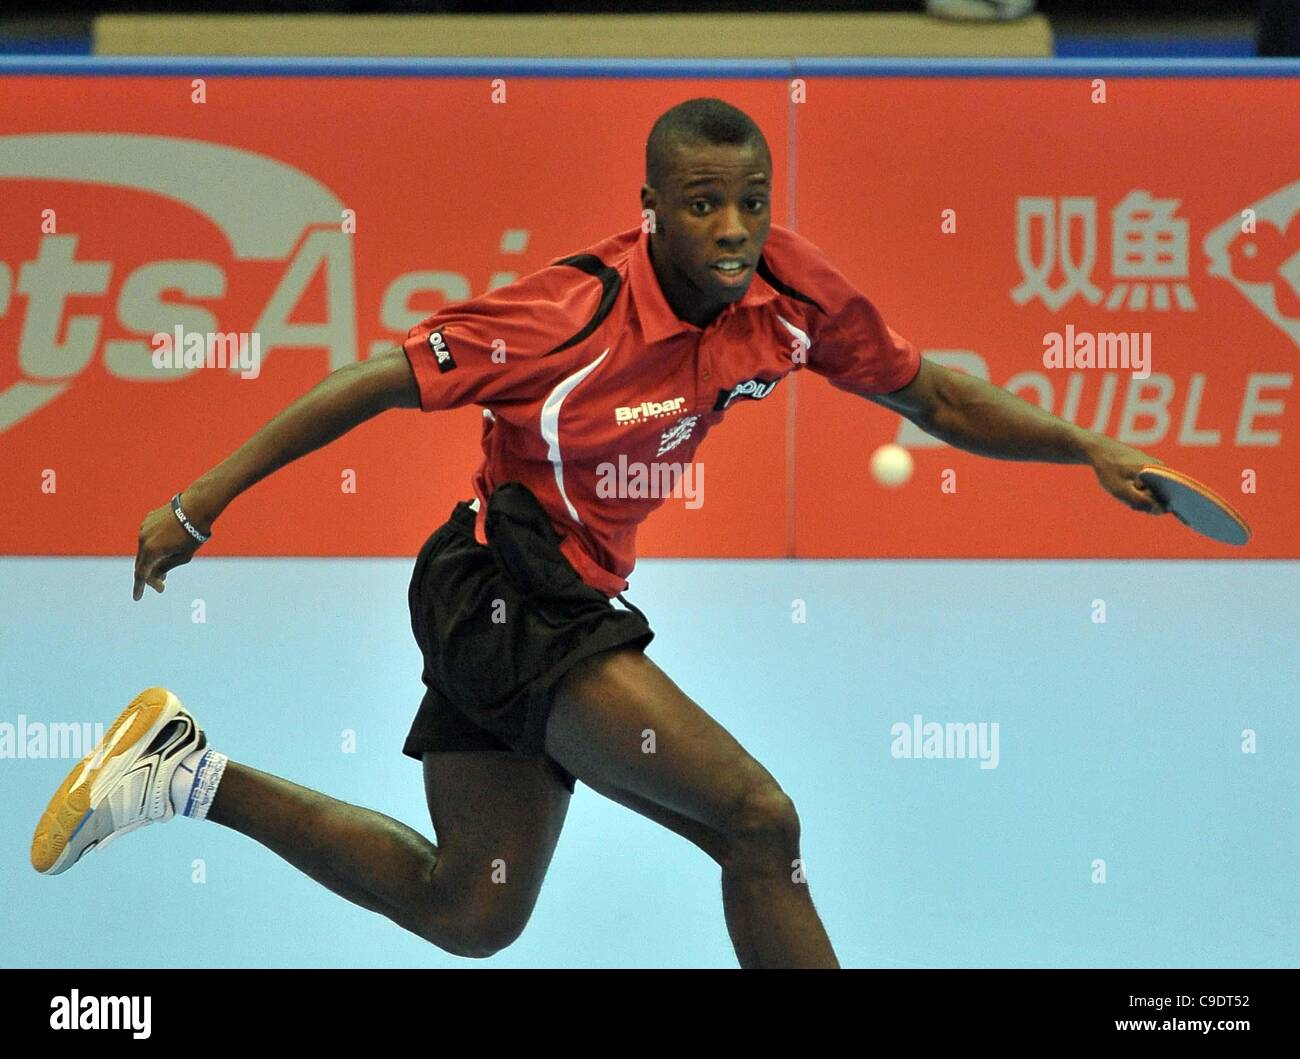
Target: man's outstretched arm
342,400
979,417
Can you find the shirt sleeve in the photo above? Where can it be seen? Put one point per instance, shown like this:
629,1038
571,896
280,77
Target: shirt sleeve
493,349
858,352
848,341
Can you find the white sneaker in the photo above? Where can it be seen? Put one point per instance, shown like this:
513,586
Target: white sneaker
122,785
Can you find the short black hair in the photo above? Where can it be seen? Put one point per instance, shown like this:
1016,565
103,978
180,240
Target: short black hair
697,121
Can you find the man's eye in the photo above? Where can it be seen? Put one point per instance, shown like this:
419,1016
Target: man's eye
757,203
700,202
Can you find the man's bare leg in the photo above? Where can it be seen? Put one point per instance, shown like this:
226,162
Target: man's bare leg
702,779
513,811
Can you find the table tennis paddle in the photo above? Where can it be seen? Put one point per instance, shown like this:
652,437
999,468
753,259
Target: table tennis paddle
1196,506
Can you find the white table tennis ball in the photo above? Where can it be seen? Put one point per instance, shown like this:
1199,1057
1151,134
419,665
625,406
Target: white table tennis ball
891,465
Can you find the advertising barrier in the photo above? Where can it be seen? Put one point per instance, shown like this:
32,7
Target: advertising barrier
1123,250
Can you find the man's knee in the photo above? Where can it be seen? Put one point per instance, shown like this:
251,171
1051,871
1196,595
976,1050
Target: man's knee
488,936
764,826
467,916
473,933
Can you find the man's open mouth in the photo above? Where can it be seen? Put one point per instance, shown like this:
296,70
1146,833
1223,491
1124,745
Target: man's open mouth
730,269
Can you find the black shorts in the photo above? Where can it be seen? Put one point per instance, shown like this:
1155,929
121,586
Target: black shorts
495,648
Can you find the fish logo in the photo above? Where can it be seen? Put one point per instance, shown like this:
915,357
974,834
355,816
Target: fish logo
1264,265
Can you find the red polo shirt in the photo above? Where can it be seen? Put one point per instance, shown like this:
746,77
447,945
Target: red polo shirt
582,367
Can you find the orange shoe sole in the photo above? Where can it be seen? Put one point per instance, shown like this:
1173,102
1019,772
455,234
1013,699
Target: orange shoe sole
70,806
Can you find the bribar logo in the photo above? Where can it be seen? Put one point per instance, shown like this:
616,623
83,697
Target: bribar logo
648,410
1258,252
77,1012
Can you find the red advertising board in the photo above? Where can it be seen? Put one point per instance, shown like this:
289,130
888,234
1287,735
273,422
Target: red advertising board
328,215
1069,216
